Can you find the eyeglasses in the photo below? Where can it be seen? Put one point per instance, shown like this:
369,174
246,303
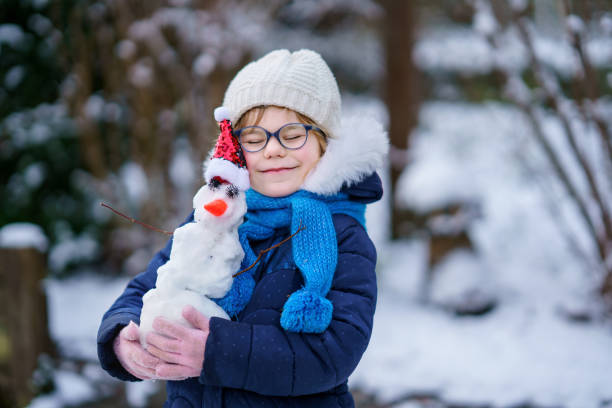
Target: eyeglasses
291,136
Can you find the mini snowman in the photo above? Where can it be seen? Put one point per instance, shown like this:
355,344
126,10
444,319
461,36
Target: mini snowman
205,253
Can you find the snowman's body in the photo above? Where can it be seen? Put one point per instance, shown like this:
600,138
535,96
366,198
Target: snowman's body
204,256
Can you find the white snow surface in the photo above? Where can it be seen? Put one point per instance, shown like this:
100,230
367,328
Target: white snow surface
71,388
72,249
465,50
23,235
76,307
519,353
526,350
134,182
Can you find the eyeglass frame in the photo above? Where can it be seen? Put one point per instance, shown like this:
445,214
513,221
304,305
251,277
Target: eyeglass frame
308,128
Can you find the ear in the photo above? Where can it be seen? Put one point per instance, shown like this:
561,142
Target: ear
198,198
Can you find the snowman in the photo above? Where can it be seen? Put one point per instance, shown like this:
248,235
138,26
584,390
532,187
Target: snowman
205,253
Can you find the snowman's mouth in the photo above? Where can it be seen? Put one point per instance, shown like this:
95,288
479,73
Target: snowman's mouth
216,207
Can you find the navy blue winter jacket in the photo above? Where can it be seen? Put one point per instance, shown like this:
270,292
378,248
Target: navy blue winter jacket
251,361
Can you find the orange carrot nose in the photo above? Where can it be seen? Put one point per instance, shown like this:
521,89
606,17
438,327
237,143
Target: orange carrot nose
216,207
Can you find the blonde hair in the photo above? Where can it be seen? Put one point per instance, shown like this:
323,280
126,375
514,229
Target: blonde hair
253,117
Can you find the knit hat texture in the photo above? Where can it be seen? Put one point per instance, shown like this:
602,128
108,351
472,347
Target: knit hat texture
299,80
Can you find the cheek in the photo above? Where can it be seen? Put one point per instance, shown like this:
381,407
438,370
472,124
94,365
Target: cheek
310,154
251,160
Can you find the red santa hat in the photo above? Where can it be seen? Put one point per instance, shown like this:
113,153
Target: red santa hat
227,163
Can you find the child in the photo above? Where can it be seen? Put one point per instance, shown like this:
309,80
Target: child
302,317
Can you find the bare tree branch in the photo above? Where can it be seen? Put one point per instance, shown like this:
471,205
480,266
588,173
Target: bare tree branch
590,83
592,206
553,94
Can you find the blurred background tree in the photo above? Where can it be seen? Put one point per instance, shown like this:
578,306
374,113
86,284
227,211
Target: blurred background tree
39,161
575,96
111,101
138,83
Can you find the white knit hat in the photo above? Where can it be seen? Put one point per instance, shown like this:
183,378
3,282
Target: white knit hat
300,81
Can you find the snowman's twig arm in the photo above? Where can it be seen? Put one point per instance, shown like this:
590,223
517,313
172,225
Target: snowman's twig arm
133,220
269,249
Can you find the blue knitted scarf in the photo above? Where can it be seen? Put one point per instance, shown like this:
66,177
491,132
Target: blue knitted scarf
315,252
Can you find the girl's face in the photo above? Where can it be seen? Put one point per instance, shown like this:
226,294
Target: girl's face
276,171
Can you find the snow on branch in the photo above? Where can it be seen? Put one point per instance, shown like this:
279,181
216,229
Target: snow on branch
589,187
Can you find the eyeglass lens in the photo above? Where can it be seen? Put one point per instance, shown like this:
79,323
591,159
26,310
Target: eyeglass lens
291,136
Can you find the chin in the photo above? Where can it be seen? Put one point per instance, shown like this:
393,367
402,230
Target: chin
279,193
277,190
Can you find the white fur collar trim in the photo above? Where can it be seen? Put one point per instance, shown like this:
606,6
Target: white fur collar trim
358,149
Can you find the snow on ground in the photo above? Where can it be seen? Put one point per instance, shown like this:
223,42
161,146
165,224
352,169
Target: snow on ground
526,350
76,307
483,154
516,354
71,389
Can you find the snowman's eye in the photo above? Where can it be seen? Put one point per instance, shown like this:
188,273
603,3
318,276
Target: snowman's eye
214,183
231,191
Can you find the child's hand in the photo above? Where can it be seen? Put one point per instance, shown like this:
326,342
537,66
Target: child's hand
180,348
136,360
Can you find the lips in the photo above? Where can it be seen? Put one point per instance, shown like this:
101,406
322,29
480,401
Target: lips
277,170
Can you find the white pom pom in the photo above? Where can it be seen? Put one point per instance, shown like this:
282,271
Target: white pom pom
221,113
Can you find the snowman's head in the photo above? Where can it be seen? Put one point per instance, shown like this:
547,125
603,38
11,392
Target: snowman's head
219,205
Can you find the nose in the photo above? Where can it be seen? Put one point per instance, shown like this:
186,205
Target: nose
216,207
274,148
